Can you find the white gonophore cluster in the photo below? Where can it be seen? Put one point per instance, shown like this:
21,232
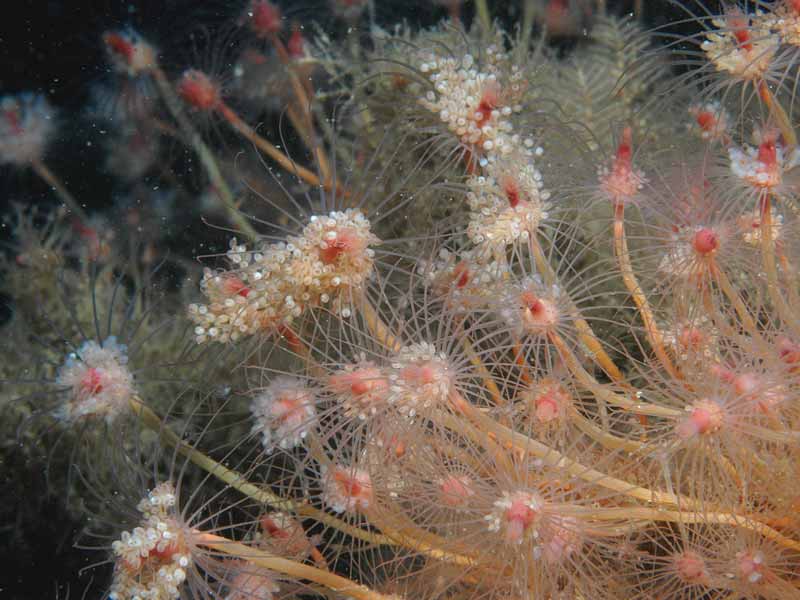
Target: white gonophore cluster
153,559
268,289
476,102
97,382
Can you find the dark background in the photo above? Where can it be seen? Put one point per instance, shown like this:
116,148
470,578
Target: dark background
52,46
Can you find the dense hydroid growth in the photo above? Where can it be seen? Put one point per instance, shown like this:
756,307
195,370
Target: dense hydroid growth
492,319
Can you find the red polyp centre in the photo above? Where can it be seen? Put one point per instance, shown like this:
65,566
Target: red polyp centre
490,100
519,517
288,407
548,404
512,192
691,338
345,242
361,382
532,302
461,274
705,241
270,527
706,120
420,374
296,45
92,382
235,286
350,485
740,27
767,153
198,90
11,117
266,18
118,45
794,5
705,418
455,490
690,567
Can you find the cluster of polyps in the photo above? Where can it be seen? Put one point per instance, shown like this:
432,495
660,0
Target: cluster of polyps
346,489
689,253
97,381
621,182
764,166
420,377
469,100
515,515
26,125
465,279
508,204
710,120
530,307
742,46
284,412
267,289
129,53
152,560
784,18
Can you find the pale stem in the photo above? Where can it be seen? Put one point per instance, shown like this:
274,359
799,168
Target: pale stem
266,560
734,298
59,188
238,482
717,518
600,391
585,332
204,153
654,335
483,15
306,129
268,148
768,260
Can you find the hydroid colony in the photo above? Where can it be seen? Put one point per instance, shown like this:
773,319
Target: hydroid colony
498,321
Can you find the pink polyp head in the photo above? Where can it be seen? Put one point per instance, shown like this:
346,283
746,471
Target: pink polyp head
198,90
362,382
519,516
705,241
343,242
265,18
92,382
538,314
455,490
690,567
706,417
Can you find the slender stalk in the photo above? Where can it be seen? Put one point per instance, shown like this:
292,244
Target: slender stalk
654,334
268,148
768,261
717,518
304,126
272,562
483,15
778,114
204,153
238,481
585,332
733,297
601,392
59,188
